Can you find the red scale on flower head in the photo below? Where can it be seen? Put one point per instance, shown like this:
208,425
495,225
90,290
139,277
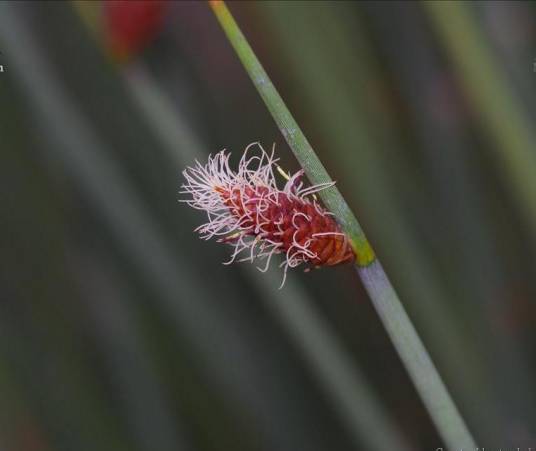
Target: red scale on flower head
300,222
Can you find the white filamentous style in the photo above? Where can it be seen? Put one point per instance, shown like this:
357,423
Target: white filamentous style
205,184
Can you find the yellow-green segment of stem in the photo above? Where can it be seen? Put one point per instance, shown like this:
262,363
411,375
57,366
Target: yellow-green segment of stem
364,254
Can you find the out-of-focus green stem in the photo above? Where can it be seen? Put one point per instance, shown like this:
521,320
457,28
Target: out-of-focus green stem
399,327
179,293
510,132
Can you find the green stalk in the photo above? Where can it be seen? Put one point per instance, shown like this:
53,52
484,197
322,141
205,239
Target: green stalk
422,371
501,114
311,66
341,379
294,136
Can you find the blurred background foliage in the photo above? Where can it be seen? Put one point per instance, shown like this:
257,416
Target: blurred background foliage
120,330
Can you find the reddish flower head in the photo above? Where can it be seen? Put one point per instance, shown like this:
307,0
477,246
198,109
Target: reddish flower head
246,209
132,24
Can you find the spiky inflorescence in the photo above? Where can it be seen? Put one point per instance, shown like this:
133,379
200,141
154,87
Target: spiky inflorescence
246,209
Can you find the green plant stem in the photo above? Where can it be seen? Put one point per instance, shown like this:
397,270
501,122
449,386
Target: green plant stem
342,380
501,114
296,139
311,66
360,410
399,327
409,346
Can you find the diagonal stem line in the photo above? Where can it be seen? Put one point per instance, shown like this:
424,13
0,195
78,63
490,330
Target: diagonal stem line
342,379
297,141
410,348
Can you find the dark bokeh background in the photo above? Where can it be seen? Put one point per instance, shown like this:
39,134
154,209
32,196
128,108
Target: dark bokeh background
121,330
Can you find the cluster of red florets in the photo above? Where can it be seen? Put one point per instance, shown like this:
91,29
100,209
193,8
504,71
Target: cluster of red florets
245,208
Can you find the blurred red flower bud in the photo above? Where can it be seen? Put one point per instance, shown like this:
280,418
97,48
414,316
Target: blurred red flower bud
132,24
